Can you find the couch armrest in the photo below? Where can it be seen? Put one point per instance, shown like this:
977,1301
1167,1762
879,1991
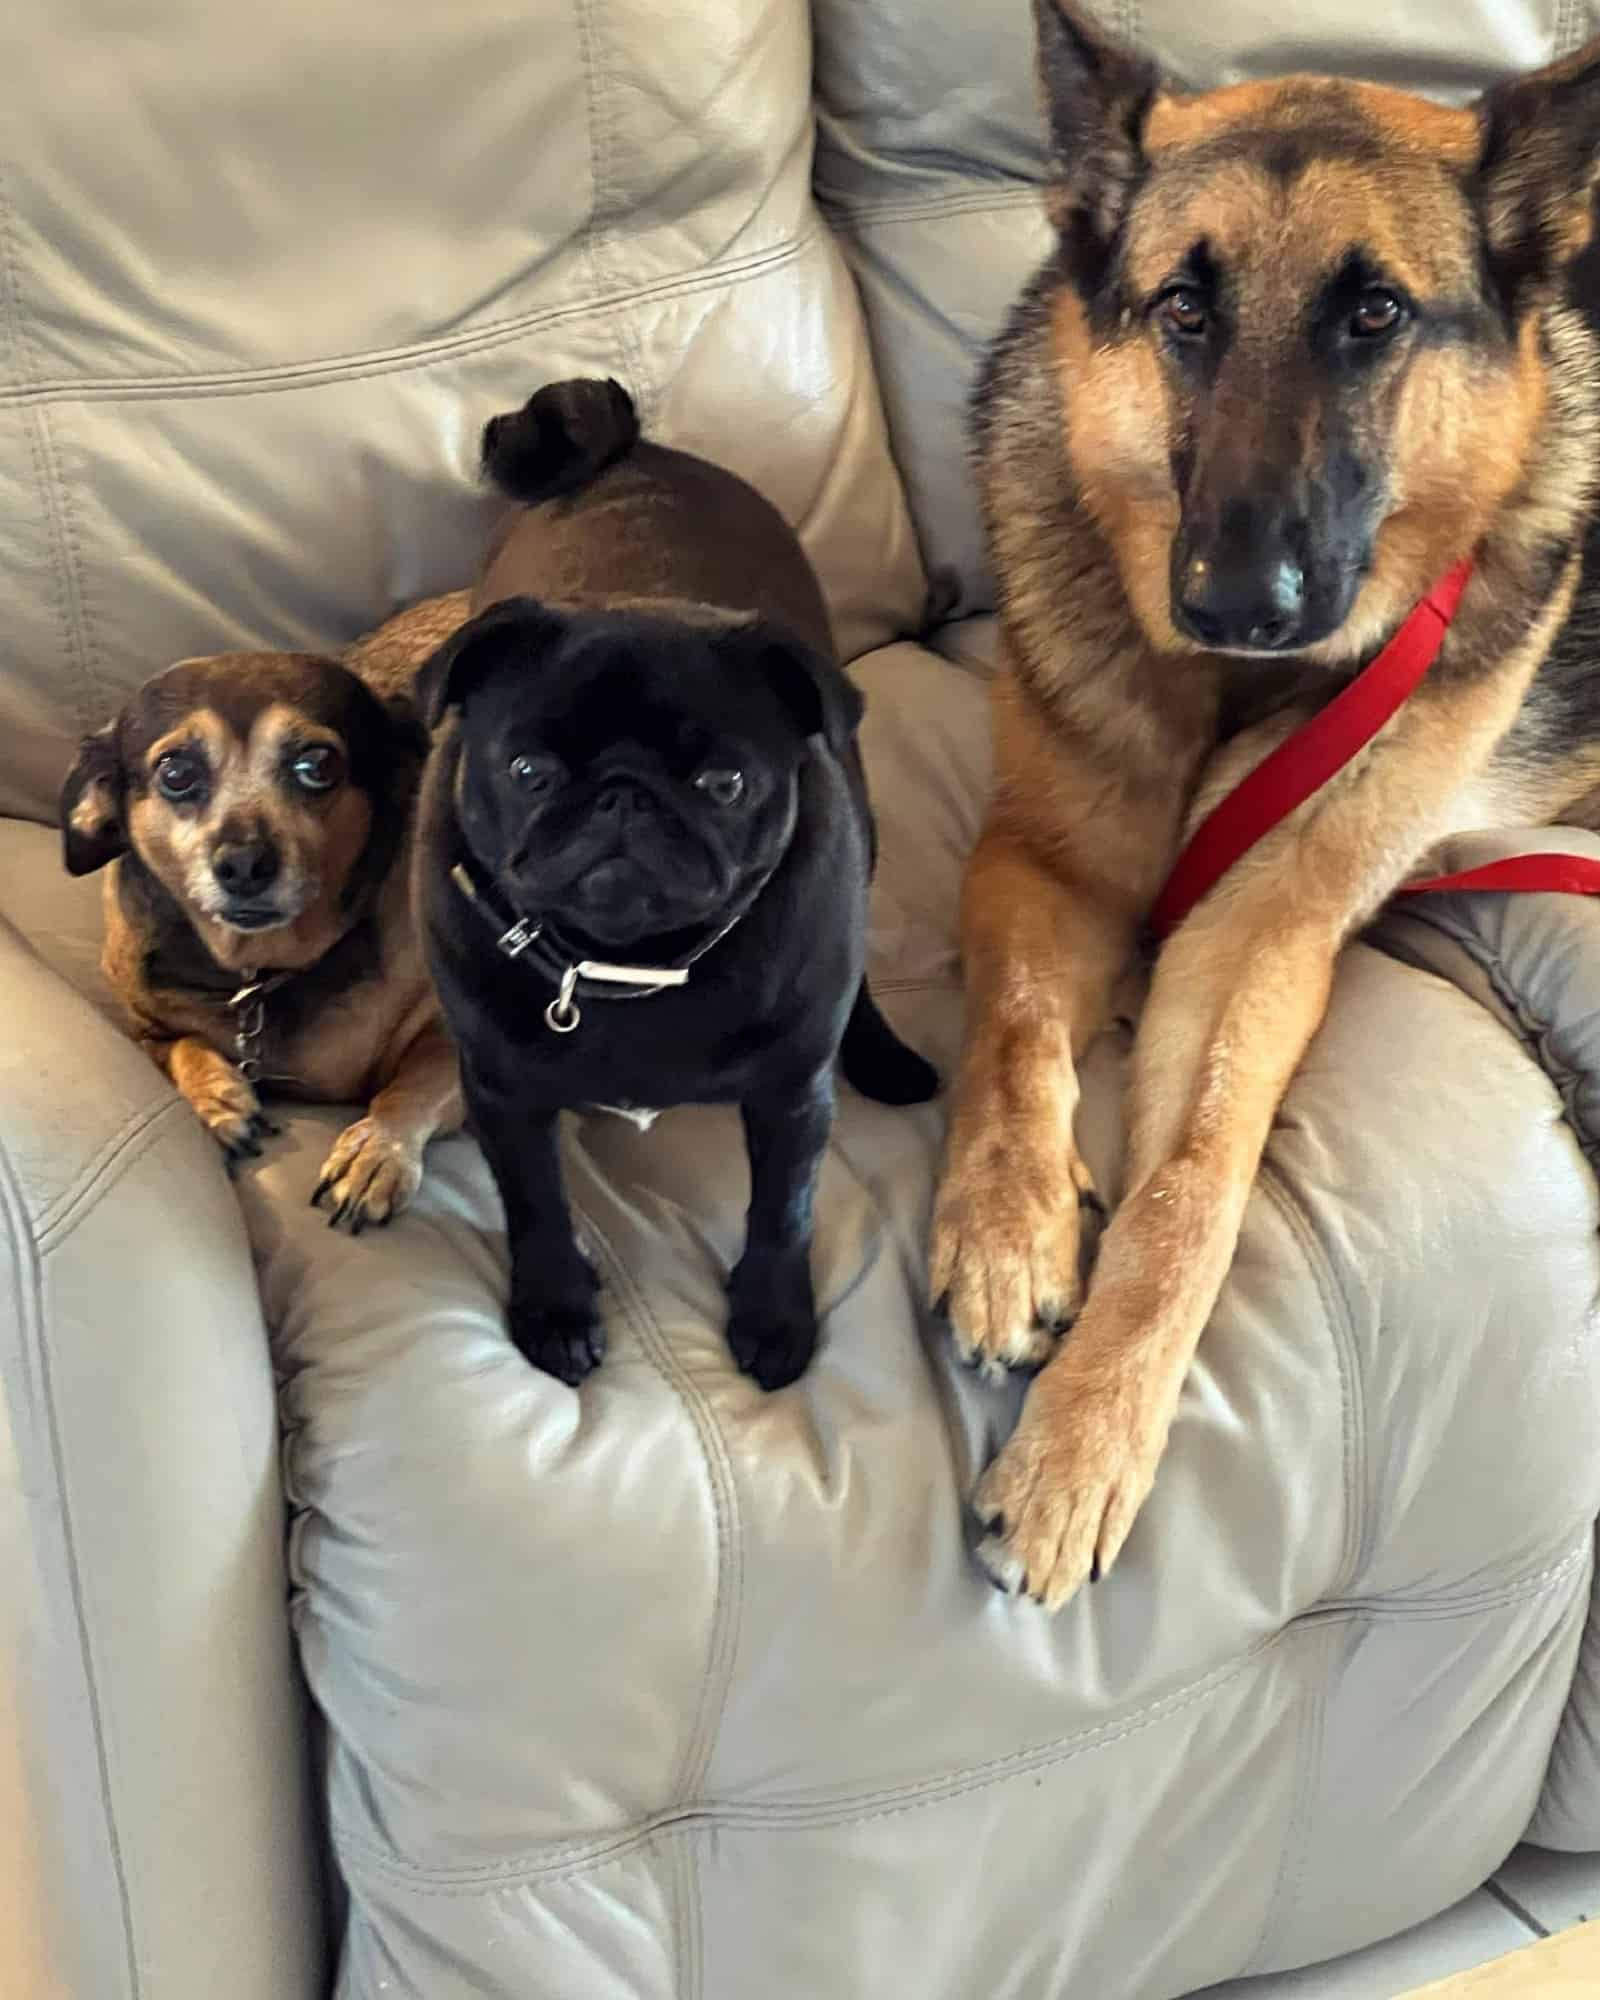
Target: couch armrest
156,1836
1533,960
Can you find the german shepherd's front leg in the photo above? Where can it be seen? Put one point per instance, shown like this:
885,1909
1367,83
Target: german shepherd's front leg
1040,957
1069,861
1237,995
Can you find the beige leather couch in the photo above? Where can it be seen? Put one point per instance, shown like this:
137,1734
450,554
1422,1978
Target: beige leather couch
667,1688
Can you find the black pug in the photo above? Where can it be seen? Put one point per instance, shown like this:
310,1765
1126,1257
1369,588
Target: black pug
644,851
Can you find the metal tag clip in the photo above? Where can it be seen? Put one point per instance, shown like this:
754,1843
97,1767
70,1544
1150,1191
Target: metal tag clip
515,941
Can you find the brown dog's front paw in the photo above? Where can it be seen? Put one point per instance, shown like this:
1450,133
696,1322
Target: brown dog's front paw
1006,1258
231,1112
370,1175
1058,1501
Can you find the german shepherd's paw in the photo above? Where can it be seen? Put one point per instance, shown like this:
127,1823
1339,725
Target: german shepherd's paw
1006,1259
1057,1503
370,1175
227,1105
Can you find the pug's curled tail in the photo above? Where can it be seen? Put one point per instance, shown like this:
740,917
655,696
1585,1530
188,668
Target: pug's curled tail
566,434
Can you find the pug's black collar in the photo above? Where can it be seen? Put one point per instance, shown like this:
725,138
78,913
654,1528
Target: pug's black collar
534,942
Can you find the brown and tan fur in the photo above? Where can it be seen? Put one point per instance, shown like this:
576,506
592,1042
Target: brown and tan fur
1184,352
357,1018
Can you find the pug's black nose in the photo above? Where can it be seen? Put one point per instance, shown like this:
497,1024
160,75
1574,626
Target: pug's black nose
246,867
621,800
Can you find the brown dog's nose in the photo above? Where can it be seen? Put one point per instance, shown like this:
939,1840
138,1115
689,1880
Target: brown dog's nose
246,867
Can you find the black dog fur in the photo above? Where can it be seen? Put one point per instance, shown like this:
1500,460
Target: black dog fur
645,734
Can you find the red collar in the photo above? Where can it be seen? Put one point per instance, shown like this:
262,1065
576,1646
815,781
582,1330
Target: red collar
1306,761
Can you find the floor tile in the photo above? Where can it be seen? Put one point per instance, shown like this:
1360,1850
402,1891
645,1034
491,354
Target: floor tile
1478,1929
1556,1890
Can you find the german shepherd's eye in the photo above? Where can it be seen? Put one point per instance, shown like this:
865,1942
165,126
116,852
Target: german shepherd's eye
1377,312
318,767
1183,312
181,776
725,788
536,775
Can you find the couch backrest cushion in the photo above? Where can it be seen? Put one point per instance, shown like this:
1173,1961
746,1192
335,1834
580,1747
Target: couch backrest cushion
930,155
264,272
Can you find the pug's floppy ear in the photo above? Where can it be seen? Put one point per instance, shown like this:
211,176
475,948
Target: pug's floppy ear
446,678
814,688
93,800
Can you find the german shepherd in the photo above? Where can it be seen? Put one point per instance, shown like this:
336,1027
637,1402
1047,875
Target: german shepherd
1299,348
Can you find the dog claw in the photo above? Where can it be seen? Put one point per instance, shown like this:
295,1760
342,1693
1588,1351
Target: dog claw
320,1190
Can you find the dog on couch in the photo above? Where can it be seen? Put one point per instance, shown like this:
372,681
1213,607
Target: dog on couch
644,849
255,811
1304,350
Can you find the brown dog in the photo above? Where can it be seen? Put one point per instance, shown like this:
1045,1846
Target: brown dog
256,808
1301,347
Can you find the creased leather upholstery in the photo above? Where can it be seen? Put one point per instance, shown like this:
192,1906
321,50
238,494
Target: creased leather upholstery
666,1688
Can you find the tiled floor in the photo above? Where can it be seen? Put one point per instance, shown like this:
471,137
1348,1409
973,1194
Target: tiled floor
1533,1895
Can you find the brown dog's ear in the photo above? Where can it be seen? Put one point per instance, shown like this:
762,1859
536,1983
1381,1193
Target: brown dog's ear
814,688
447,676
1096,97
1537,169
92,802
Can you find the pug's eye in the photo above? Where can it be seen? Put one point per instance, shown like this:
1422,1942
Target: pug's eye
318,767
726,788
181,776
537,776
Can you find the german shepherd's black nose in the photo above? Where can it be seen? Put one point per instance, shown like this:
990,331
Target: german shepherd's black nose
1244,599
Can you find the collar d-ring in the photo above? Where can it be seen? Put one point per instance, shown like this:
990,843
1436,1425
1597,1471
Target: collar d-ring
562,1015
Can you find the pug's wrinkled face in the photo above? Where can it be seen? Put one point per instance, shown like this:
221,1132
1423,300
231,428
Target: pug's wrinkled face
630,777
248,785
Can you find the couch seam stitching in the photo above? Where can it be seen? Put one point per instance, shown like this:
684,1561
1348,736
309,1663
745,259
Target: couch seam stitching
32,1246
884,1803
570,1857
728,1598
603,116
66,564
849,217
137,1132
1346,1358
1282,1906
374,362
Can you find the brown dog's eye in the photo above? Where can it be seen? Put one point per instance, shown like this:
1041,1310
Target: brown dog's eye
725,787
180,775
318,768
1378,312
1184,312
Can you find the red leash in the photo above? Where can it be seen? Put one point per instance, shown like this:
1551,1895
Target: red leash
1305,761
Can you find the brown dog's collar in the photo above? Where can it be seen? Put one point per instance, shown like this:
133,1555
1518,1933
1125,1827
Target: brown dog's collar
249,1009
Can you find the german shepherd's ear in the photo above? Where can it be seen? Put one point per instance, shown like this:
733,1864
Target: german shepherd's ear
1096,95
447,677
1537,170
93,800
813,687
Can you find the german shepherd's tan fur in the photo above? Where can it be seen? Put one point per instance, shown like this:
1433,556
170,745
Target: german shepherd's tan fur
1301,347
